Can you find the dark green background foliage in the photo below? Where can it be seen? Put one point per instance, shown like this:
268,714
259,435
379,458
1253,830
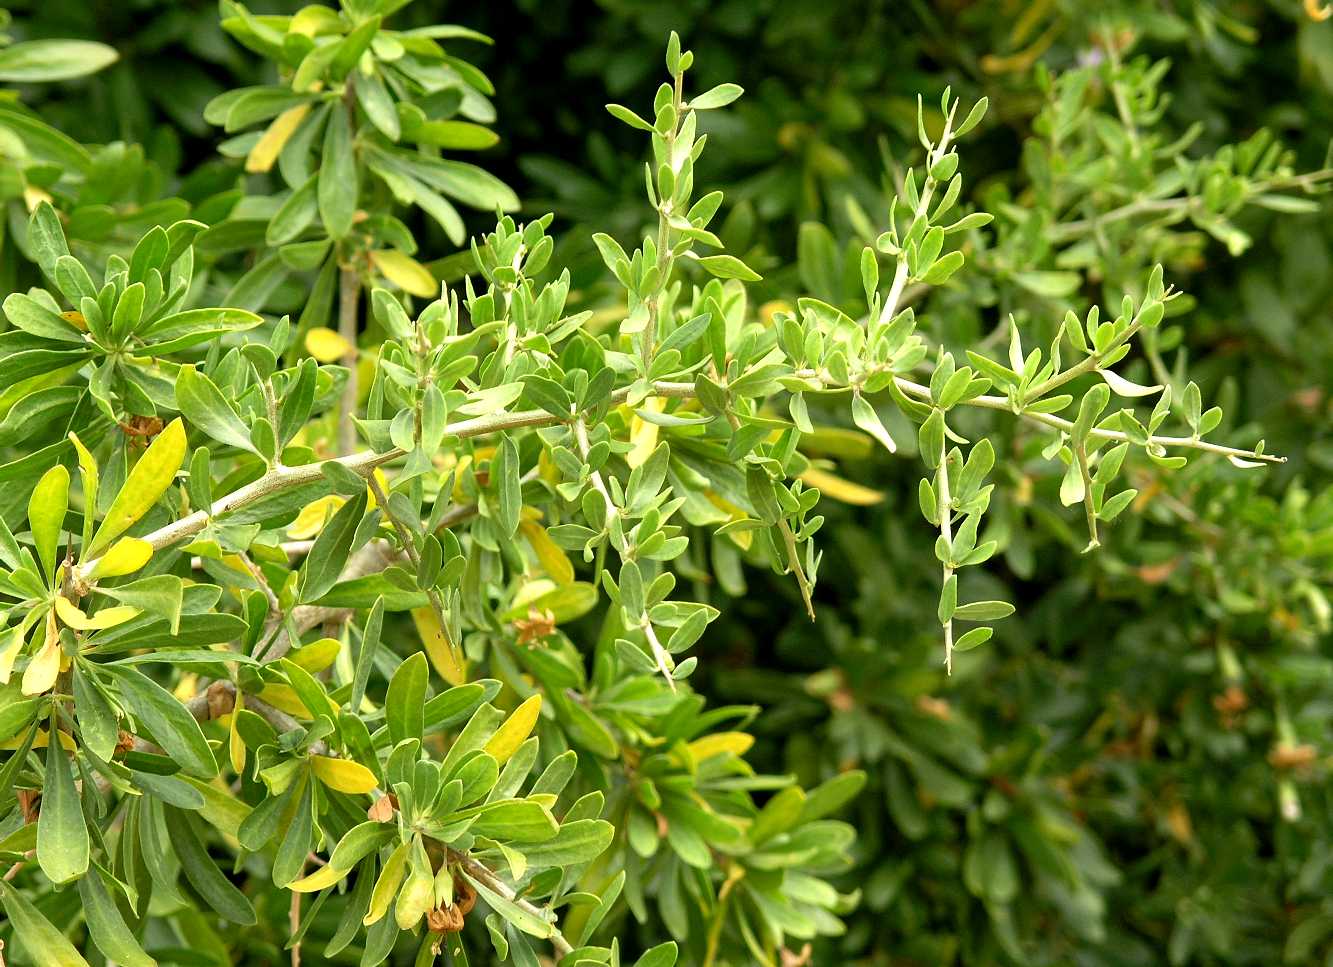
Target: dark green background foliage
1135,770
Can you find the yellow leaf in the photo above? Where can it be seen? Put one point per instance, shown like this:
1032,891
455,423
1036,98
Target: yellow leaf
831,485
268,147
315,20
343,775
642,434
326,345
75,618
406,272
386,887
40,741
737,743
769,309
313,516
549,555
148,481
126,556
89,475
316,656
282,697
836,441
34,196
41,672
443,653
11,652
321,879
188,686
516,729
741,539
235,745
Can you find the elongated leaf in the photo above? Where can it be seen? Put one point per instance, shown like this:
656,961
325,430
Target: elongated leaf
46,515
167,720
148,481
515,730
37,61
405,703
326,559
370,641
202,871
195,326
338,188
46,945
202,403
62,836
527,922
110,933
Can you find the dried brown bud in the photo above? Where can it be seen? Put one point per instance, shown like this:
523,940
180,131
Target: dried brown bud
536,626
382,809
221,699
1284,756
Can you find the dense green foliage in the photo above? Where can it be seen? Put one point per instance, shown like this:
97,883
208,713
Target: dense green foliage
354,605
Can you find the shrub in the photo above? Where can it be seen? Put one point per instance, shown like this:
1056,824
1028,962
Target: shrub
381,591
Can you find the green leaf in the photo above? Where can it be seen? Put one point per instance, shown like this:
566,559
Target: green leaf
365,659
506,470
339,189
832,795
729,267
109,931
95,716
62,835
720,96
328,556
663,955
202,403
46,238
31,316
622,113
195,326
47,946
161,596
46,515
975,637
527,922
983,611
1052,285
580,841
454,135
202,870
405,702
295,214
36,61
865,417
167,721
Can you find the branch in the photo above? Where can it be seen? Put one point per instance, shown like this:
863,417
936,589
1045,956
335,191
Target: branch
364,463
922,210
946,532
1056,423
483,873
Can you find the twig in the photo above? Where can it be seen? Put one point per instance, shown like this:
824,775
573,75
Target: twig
946,531
363,464
1055,422
922,210
483,873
